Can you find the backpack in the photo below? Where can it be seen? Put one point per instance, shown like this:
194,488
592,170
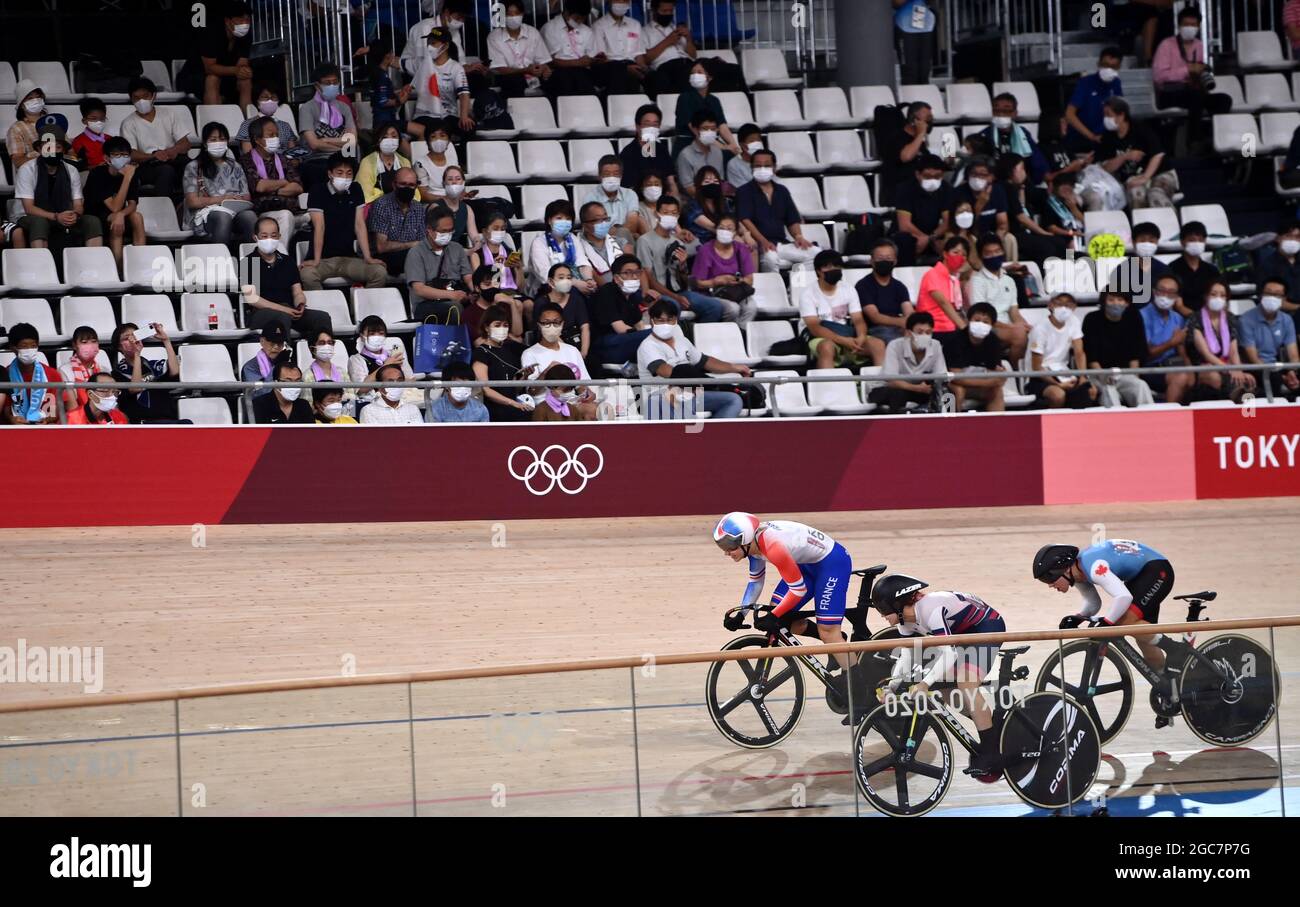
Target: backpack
864,230
1233,263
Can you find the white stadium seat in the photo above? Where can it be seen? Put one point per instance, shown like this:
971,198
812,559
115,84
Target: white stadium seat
209,268
581,115
969,102
228,115
1027,105
205,362
807,198
52,77
543,159
1275,131
1258,50
841,149
850,194
1215,220
790,397
760,335
535,200
205,410
1164,218
156,71
535,118
35,312
766,68
866,98
839,397
146,308
1231,86
1075,277
386,302
770,296
32,271
336,305
829,108
585,155
722,340
197,308
779,109
1269,91
1115,222
735,107
495,160
931,95
794,152
92,268
1231,132
92,311
160,219
622,110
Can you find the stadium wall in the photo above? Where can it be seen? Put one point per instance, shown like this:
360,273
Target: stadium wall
253,474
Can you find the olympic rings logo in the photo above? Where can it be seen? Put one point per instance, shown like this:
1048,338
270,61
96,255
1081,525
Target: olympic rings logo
555,474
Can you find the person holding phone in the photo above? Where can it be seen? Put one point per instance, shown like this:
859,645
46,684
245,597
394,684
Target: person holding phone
126,349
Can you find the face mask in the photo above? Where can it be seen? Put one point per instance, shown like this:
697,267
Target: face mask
653,193
711,190
995,262
1188,32
144,105
375,342
1217,303
978,184
393,394
35,105
513,22
460,394
920,342
1107,74
564,286
833,276
241,30
217,149
630,287
497,236
454,190
649,134
268,108
602,229
1289,246
456,24
95,126
726,237
979,329
329,92
341,183
965,219
954,262
291,393
437,50
551,332
611,184
562,227
754,148
1270,304
668,221
388,146
664,331
1060,314
1110,123
1002,122
441,239
699,80
1115,310
619,9
665,21
884,268
1145,249
930,185
324,353
405,194
1196,249
499,334
763,174
117,162
708,137
87,351
1164,303
273,144
438,146
106,404
333,410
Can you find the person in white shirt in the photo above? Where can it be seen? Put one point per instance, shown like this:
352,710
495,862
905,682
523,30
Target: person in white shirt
50,190
388,408
572,45
832,315
598,242
992,284
666,353
550,350
160,140
620,202
1057,344
669,49
619,37
452,18
557,245
517,55
915,354
442,92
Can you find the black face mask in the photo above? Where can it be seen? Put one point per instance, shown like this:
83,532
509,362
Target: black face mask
833,276
712,190
665,20
405,194
489,295
883,268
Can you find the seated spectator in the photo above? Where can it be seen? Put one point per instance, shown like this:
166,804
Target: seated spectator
20,140
666,251
50,190
464,226
768,212
262,366
100,406
1166,333
620,203
669,50
648,195
740,168
618,39
28,406
219,72
559,403
924,204
486,292
724,269
1084,111
940,294
379,168
832,316
1025,206
326,127
519,58
992,284
1133,155
323,368
141,405
328,406
963,227
884,299
81,367
557,245
337,220
1267,337
396,220
696,106
1284,264
497,357
1178,71
987,200
375,351
709,205
666,353
438,269
1052,129
977,354
550,349
160,139
704,151
1113,337
1056,345
1215,341
452,20
915,354
1194,274
432,167
88,147
272,176
1137,274
571,43
387,101
1008,137
904,149
218,205
599,244
276,287
387,408
457,403
577,323
498,252
283,405
1062,217
111,195
268,104
618,316
647,153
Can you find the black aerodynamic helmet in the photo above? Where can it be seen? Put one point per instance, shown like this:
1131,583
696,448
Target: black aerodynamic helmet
1053,561
892,592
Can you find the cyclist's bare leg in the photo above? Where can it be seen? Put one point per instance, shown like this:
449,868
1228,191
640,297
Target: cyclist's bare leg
1153,654
969,679
832,635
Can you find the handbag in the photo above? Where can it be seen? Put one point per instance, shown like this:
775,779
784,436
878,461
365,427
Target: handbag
439,345
736,292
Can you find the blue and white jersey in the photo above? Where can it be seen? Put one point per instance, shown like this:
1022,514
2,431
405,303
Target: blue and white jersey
1109,566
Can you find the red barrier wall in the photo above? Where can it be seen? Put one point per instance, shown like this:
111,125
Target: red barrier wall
182,475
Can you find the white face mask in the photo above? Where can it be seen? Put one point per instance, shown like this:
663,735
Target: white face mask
1107,74
931,185
144,105
333,410
965,219
564,286
1164,303
699,80
268,246
389,145
499,335
442,239
649,134
1002,122
117,162
1217,303
106,404
611,184
1061,314
291,393
273,143
454,190
1270,304
497,237
217,149
619,9
1188,32
763,174
268,108
708,137
392,394
241,30
1110,124
979,329
668,221
341,183
35,105
653,193
630,287
27,357
95,126
324,353
1194,248
978,183
1145,249
754,148
460,394
726,237
551,332
438,146
664,331
920,342
456,24
1289,246
513,22
375,342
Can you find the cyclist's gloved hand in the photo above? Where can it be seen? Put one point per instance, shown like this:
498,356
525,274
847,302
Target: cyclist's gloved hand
1100,622
1070,621
767,622
734,621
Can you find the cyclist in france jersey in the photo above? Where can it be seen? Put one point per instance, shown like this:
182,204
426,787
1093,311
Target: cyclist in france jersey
905,604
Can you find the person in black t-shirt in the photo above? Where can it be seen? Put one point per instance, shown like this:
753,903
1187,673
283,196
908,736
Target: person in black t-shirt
901,149
636,164
977,351
1114,336
616,313
1194,275
1133,155
219,70
923,205
284,405
105,198
885,300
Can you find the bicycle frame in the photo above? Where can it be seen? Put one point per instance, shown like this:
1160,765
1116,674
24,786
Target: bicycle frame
1178,653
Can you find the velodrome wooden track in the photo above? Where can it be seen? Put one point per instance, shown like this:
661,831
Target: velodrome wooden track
275,602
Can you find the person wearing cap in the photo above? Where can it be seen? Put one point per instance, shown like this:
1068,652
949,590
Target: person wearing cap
100,407
160,139
451,19
284,405
262,366
50,190
21,138
443,97
923,203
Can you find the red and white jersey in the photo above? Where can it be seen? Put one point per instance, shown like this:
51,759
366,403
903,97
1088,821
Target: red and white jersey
946,614
803,544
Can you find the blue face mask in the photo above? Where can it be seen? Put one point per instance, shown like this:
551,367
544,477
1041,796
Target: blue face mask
994,263
329,92
602,230
562,227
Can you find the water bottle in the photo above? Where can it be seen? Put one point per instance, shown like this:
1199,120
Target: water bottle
213,320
